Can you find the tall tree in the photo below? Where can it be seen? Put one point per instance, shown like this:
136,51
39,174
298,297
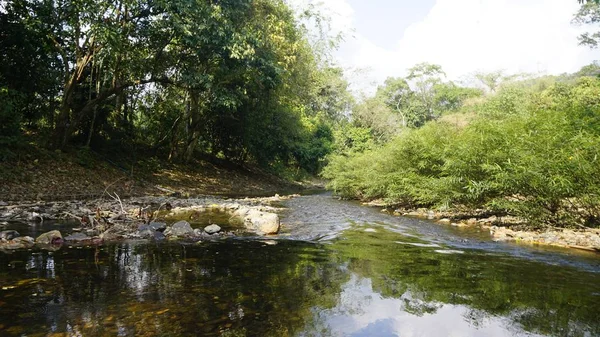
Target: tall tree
424,77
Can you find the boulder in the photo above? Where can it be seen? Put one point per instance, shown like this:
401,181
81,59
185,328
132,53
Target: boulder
21,242
181,228
239,216
158,226
9,235
212,229
262,223
49,238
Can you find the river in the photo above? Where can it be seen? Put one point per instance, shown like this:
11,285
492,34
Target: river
336,269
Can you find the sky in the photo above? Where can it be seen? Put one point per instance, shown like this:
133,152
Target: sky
385,37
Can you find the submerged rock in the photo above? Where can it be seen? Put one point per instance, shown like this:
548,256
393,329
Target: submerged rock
49,238
212,229
9,235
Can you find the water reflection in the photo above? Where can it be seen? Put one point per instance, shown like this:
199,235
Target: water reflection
372,279
363,284
364,312
234,288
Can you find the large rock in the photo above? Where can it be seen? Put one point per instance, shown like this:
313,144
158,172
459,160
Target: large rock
239,216
9,235
51,237
22,242
181,228
212,229
262,223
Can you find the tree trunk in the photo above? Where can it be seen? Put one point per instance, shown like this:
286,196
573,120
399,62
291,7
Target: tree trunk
193,131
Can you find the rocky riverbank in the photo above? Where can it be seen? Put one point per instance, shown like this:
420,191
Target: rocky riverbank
149,218
508,228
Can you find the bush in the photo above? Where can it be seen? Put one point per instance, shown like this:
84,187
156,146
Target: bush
10,121
534,155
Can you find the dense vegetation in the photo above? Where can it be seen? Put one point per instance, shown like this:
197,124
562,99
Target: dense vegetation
531,149
236,79
247,81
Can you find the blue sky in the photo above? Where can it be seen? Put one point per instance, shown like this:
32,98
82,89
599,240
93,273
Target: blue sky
385,37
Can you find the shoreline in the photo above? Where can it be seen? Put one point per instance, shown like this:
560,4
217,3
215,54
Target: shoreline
504,228
153,218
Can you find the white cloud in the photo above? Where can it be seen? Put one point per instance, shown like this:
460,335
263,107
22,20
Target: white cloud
470,35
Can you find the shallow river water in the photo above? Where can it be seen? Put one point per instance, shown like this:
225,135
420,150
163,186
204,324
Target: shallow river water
336,269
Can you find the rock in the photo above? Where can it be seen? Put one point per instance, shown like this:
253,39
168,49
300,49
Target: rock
146,233
22,242
158,226
238,217
181,228
9,235
158,236
110,236
445,221
35,217
49,238
77,237
262,223
212,229
199,232
85,211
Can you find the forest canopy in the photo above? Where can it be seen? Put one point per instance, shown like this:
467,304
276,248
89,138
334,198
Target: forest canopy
236,79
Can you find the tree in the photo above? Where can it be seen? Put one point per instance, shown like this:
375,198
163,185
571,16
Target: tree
424,76
589,14
490,80
373,113
397,95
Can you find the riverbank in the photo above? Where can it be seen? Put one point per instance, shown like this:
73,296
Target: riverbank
37,174
99,221
506,228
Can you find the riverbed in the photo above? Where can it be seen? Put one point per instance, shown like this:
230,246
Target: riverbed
336,269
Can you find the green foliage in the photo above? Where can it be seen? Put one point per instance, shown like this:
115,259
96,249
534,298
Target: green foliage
234,79
526,153
410,102
10,120
589,14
